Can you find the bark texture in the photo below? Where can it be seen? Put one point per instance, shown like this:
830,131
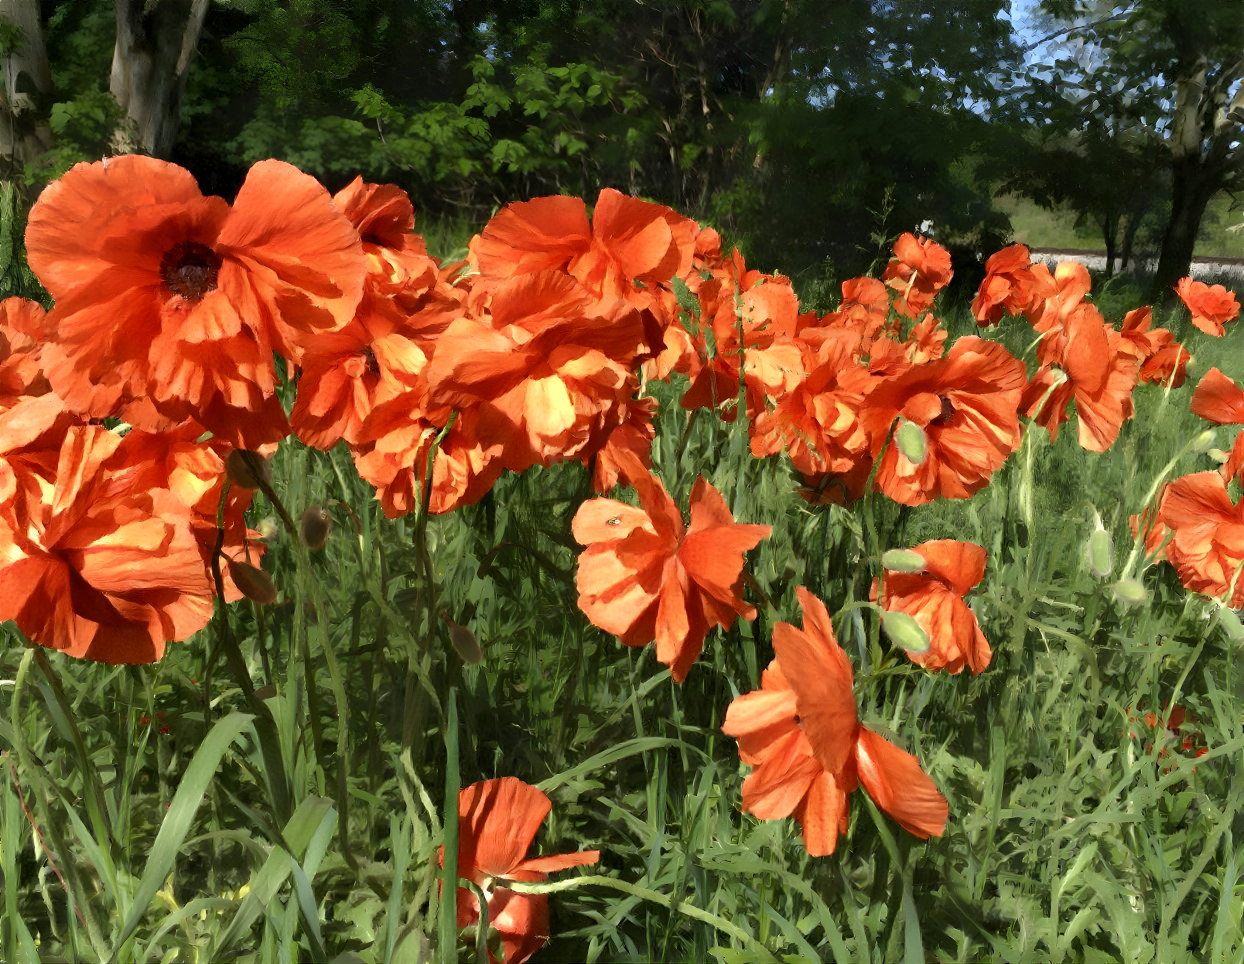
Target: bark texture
156,41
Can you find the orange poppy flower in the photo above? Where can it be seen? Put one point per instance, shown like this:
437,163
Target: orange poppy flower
1084,360
21,333
645,576
164,293
1006,288
105,569
1218,399
497,822
934,598
549,365
1211,306
1207,544
801,734
1162,359
965,404
818,422
919,270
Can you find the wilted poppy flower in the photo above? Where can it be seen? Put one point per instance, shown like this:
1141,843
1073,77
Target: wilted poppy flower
165,294
1207,545
497,822
801,734
1211,306
934,598
645,576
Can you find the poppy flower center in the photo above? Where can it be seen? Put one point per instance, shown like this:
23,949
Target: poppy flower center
948,412
189,269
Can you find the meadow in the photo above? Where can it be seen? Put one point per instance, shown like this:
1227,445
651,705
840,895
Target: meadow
279,785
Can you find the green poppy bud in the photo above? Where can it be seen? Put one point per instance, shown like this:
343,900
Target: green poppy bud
1131,592
911,441
1100,553
904,632
1205,441
1230,623
902,560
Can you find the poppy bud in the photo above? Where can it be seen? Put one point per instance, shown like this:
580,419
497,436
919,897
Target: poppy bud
903,631
247,469
1205,441
1131,592
464,642
1100,551
314,527
902,560
1230,624
1218,455
253,582
911,441
268,529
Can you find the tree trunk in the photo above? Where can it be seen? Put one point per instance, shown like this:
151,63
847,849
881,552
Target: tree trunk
24,133
155,44
1190,193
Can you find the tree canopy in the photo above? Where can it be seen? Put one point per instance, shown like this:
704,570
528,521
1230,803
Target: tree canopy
801,128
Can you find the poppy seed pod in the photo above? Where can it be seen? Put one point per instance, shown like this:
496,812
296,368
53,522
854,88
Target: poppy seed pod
254,583
903,631
912,443
902,560
314,527
249,470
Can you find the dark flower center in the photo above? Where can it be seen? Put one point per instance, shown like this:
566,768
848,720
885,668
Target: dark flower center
948,412
189,269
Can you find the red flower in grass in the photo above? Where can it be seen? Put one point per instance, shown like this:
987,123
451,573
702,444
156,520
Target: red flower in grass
645,576
934,598
801,734
965,404
1211,306
164,294
919,270
1207,545
497,822
1179,729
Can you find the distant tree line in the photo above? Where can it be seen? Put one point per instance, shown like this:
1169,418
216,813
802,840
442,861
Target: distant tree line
810,132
